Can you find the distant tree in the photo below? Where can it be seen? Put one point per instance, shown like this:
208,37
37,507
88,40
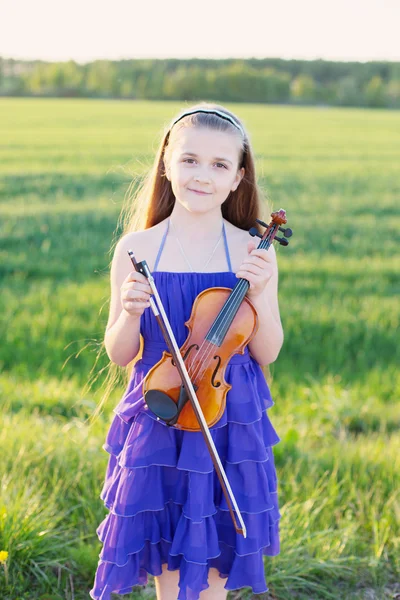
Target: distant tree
141,85
348,92
102,78
127,88
183,84
237,83
375,92
392,93
11,83
326,94
276,85
303,88
36,81
155,84
240,83
73,79
394,71
55,77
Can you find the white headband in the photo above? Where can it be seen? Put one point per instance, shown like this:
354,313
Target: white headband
211,111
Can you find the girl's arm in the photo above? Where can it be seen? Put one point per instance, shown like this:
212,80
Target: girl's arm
122,336
267,342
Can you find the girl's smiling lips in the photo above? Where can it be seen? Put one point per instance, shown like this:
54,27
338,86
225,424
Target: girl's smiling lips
199,192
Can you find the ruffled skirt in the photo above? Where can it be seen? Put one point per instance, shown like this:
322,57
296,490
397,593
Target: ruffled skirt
165,501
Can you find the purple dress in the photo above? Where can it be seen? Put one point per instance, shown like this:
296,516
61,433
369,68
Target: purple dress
164,498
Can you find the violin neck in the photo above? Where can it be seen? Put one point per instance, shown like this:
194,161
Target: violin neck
223,321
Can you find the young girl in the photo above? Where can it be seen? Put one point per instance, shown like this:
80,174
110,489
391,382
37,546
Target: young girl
167,514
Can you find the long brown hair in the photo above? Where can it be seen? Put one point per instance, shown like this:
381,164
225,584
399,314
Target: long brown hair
150,201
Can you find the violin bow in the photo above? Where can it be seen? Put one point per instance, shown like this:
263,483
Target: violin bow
162,319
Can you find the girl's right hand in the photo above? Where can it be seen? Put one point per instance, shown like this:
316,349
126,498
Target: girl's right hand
135,294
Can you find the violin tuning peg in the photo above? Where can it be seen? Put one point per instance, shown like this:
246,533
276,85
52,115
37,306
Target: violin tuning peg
261,223
253,231
286,232
282,241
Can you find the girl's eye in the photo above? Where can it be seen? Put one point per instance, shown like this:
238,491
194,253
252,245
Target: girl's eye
221,164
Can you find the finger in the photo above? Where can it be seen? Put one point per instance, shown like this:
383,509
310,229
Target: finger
254,260
266,259
257,276
136,296
250,268
136,285
136,276
247,276
262,253
254,272
133,305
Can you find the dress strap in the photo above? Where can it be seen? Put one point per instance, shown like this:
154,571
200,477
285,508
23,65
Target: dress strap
228,258
161,246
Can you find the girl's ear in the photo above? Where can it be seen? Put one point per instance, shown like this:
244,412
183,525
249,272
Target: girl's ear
238,179
167,170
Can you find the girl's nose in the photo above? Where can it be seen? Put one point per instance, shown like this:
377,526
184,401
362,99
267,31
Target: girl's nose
202,177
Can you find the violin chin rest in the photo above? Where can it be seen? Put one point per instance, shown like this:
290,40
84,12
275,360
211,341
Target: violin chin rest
161,404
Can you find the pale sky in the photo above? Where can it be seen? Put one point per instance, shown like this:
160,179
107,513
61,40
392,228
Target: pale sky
84,30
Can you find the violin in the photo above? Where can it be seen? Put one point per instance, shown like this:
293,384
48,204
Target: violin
222,323
187,389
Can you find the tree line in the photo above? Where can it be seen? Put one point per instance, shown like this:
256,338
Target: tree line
269,80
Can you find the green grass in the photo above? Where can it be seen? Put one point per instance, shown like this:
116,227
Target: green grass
65,166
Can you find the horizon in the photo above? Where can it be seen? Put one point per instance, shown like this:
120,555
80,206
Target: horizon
238,58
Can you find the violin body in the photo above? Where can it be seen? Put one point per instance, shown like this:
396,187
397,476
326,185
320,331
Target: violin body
204,361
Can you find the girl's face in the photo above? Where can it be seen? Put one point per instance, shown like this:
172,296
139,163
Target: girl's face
204,160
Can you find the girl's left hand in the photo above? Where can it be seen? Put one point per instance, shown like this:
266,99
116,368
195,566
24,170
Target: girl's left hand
257,268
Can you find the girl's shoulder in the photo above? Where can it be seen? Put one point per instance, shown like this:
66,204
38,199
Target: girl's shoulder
235,233
143,243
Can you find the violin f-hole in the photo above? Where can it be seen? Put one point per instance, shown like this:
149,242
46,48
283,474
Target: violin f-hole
214,383
186,354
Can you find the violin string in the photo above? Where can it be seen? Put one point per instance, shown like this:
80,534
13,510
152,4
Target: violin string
206,344
208,348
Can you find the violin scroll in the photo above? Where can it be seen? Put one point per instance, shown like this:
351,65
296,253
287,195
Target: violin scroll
278,219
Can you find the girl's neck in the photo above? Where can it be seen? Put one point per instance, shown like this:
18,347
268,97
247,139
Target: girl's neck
197,227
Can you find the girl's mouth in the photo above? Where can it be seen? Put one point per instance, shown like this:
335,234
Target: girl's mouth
198,192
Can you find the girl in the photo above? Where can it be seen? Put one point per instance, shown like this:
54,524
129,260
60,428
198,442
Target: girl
167,514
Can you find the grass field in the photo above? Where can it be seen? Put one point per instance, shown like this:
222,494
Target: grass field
65,166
